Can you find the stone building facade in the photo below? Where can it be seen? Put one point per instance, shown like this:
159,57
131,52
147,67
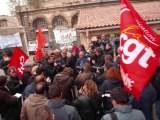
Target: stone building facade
9,25
57,14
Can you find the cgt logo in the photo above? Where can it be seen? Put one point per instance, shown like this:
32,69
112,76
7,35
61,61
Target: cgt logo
131,48
21,68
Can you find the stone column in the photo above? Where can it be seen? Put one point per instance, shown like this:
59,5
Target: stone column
87,35
50,33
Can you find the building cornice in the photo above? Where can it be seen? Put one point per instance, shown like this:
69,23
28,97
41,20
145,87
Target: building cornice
97,3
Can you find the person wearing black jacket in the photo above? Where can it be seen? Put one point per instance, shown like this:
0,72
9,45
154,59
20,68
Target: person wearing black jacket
72,62
145,102
99,62
7,101
65,81
49,68
26,75
113,79
109,50
156,84
64,58
14,83
89,101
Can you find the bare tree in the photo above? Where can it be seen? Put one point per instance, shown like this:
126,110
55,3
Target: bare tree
35,3
15,3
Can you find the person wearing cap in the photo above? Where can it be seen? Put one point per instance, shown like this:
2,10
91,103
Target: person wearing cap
122,110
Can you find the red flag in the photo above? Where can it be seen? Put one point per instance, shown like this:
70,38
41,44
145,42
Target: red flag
18,59
41,41
139,50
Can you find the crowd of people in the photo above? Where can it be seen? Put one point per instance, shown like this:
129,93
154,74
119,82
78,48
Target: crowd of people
76,84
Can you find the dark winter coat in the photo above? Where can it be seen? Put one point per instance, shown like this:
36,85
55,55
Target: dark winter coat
50,71
107,87
7,101
72,63
62,111
100,78
100,61
82,77
87,107
145,102
64,61
14,85
66,82
109,52
156,83
25,78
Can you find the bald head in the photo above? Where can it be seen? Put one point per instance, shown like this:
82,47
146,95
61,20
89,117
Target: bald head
81,54
40,88
38,79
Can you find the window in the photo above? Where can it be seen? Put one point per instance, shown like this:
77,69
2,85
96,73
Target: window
3,23
39,22
74,21
59,22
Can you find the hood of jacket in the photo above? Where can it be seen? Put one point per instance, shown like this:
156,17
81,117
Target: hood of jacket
36,99
114,82
56,103
123,109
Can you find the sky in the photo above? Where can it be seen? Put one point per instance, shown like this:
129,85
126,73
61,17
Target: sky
4,10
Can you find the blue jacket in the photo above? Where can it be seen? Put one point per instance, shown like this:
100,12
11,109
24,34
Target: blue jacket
80,62
30,89
125,113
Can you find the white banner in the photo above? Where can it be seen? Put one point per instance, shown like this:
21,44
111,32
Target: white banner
7,41
65,36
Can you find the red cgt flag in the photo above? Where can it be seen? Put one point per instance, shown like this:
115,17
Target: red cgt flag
139,50
18,59
41,41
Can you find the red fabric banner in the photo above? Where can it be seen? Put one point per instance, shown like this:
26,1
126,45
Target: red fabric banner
41,41
139,50
18,59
